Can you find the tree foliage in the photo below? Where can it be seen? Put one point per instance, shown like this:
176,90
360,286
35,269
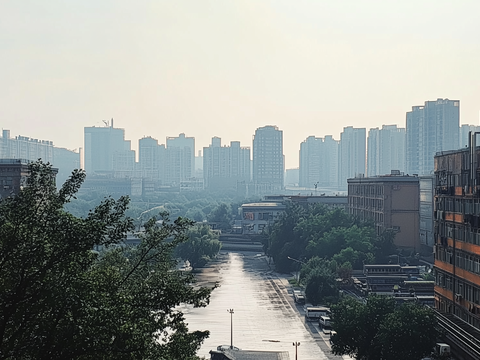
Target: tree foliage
221,215
319,276
381,330
305,232
61,300
202,245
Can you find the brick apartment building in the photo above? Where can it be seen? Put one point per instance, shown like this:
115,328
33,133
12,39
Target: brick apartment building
392,202
457,247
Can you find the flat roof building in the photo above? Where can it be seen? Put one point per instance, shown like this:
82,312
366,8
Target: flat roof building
392,202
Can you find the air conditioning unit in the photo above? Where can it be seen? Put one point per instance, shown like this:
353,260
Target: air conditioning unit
442,348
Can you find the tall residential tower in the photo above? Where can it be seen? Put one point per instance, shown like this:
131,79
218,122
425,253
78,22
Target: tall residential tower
268,160
431,128
385,150
351,155
318,162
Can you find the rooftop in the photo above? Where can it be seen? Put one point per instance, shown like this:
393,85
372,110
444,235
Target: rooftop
265,204
251,355
384,178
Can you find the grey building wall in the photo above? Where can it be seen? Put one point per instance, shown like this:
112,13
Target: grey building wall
102,146
386,150
352,155
225,166
431,128
268,159
426,213
318,162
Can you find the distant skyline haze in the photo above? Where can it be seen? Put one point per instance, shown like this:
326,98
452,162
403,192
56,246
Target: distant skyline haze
211,68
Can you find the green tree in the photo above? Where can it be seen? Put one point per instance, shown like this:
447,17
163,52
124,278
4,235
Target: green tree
61,300
384,247
408,333
282,240
380,330
221,216
314,230
319,276
202,245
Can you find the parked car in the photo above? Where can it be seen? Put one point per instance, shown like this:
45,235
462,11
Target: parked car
298,297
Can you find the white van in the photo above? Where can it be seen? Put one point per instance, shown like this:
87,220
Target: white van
325,324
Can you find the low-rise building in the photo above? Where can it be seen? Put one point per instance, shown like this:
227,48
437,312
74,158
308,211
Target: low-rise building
392,202
13,176
258,216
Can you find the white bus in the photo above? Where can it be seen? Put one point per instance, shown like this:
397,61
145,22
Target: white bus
315,312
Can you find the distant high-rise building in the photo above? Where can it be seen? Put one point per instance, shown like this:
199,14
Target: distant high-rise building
292,177
225,166
352,152
199,165
268,160
149,158
106,150
431,128
318,162
178,159
385,150
464,130
187,144
65,161
23,147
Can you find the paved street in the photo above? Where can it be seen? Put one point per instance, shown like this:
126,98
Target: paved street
265,318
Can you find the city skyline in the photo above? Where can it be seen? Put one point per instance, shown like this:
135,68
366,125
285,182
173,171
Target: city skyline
133,144
223,69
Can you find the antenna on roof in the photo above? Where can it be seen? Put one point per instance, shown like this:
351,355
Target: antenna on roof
105,122
111,123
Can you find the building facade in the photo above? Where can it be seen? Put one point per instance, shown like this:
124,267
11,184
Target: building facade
13,176
107,151
385,150
65,161
187,145
457,234
23,147
225,166
352,155
318,162
268,159
392,202
426,214
464,131
431,128
256,217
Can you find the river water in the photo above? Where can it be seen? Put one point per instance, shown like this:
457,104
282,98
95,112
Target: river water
265,317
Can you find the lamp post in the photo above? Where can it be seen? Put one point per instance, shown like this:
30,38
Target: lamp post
296,344
298,261
231,327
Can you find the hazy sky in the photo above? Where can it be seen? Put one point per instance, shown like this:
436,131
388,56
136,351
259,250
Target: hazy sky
223,68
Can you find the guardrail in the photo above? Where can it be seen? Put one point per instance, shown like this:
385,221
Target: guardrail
459,337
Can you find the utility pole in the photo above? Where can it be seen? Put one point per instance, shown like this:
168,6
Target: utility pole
231,327
296,344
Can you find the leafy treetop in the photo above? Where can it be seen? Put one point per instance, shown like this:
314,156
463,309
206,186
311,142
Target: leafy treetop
61,300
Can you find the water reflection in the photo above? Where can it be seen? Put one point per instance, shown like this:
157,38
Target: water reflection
263,318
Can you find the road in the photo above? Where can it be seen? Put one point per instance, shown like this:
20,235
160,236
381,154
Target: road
265,315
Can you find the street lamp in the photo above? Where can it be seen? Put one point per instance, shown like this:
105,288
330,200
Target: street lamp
298,272
296,344
231,327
